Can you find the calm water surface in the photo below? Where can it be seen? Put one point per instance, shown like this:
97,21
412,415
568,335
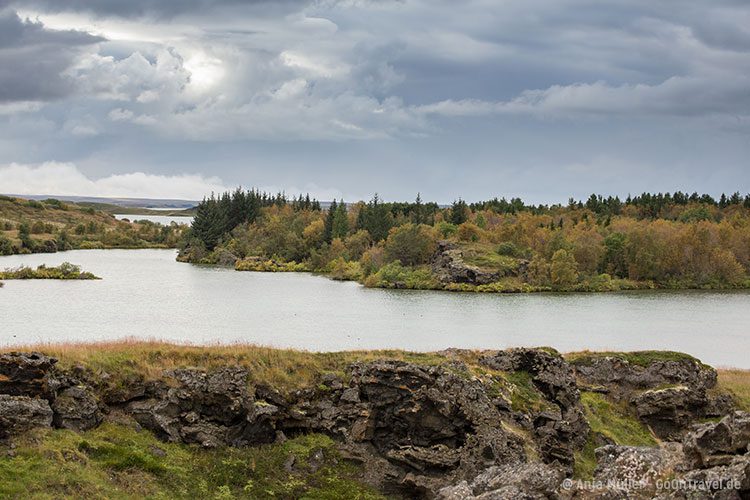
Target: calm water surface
146,294
159,219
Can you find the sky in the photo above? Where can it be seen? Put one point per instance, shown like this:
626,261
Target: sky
542,99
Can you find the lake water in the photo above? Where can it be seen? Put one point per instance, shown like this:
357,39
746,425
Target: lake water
159,219
146,294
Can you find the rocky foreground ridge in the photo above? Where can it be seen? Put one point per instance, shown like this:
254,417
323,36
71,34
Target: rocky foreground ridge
519,423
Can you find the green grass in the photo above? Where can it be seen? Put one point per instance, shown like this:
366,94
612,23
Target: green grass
485,256
639,358
613,421
115,461
524,396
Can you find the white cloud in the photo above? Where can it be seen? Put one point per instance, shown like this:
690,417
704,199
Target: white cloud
65,179
676,96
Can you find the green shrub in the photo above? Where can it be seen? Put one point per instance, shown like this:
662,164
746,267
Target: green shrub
411,244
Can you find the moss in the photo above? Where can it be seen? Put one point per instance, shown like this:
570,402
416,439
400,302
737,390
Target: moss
585,460
638,358
524,396
613,421
115,461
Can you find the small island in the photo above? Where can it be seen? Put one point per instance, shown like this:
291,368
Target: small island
65,271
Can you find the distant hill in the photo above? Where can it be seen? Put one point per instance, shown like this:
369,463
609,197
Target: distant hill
50,225
158,204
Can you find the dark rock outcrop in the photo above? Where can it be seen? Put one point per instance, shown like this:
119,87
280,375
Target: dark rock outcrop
716,443
431,425
210,409
624,377
26,374
21,413
76,408
668,395
559,432
529,481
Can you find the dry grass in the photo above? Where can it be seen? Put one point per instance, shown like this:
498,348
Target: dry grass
736,382
285,369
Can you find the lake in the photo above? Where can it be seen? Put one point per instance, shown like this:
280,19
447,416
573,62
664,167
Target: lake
159,219
147,294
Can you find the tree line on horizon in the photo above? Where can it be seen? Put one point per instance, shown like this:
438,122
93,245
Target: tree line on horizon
217,216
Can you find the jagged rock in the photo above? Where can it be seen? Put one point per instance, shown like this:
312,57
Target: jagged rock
449,267
434,459
726,482
640,465
559,433
429,423
209,408
714,444
76,408
25,374
619,375
21,413
667,395
527,481
670,411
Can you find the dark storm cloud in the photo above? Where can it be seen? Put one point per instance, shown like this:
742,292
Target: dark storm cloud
32,59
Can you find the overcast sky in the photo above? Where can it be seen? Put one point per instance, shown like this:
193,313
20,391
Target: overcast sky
541,99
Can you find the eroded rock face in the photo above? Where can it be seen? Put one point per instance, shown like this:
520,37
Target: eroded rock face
561,432
76,408
530,481
717,443
210,409
25,374
431,425
423,431
623,377
718,454
21,413
667,395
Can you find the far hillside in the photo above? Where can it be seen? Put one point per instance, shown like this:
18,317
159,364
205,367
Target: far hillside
46,226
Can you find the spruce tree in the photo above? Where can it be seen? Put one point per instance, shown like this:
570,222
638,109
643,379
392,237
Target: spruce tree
328,227
340,223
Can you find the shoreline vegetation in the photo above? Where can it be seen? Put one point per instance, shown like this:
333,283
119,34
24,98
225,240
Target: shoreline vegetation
65,271
158,420
663,241
49,226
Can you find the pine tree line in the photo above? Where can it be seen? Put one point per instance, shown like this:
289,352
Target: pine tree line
218,215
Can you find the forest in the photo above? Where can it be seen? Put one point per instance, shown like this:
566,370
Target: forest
665,240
